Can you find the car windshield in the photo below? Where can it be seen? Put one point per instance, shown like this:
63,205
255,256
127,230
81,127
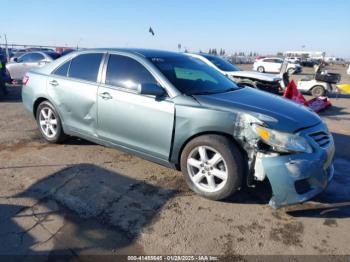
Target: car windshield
222,64
193,77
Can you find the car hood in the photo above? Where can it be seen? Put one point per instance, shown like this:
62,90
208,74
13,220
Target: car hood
276,112
254,75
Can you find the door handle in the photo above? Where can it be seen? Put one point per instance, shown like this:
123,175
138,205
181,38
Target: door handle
54,83
105,95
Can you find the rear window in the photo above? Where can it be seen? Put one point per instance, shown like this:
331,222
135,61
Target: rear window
85,67
53,55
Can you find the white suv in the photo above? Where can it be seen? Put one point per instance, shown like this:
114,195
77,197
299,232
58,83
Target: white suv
273,65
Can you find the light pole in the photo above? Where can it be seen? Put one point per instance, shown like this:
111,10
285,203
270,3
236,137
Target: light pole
79,43
7,49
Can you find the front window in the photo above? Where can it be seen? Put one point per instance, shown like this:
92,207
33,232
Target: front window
222,64
125,72
191,76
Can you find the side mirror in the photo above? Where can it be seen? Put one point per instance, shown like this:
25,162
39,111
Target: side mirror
150,89
15,59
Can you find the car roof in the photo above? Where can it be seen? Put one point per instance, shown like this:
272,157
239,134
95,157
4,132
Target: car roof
140,51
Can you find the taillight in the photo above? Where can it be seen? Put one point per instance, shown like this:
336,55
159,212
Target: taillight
25,80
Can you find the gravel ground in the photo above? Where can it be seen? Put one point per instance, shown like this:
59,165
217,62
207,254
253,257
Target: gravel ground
80,198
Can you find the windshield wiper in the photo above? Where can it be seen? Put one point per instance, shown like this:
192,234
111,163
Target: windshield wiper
212,92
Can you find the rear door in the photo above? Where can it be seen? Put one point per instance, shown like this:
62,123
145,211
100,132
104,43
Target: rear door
138,122
73,88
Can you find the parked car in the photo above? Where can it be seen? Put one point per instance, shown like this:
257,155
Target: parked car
266,82
175,110
308,62
20,65
273,65
295,60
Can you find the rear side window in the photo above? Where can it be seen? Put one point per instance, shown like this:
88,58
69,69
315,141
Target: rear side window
125,72
62,70
269,60
85,67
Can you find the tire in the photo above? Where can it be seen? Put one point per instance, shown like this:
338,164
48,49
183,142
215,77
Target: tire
198,174
290,71
51,129
317,91
261,69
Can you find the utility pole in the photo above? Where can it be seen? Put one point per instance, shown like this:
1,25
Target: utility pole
7,49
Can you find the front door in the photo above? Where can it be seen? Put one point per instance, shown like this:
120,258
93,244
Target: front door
138,122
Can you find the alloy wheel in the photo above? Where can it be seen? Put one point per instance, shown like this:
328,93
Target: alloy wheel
207,169
48,122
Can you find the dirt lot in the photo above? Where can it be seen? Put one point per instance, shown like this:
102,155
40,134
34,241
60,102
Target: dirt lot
81,198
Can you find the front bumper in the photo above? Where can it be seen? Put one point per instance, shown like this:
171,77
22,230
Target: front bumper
296,178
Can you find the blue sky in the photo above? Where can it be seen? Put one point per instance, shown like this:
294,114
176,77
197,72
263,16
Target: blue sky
264,26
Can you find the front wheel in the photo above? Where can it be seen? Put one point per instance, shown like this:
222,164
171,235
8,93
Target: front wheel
49,123
318,91
212,166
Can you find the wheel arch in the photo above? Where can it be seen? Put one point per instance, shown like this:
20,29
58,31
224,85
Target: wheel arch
36,104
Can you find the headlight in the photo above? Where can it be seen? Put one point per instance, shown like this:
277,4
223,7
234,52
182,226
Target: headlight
283,142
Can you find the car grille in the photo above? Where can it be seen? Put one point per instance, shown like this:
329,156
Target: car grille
321,138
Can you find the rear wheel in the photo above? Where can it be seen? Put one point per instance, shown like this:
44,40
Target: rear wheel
318,91
212,166
49,123
261,69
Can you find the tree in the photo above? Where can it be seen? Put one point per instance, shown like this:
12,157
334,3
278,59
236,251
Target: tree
210,51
